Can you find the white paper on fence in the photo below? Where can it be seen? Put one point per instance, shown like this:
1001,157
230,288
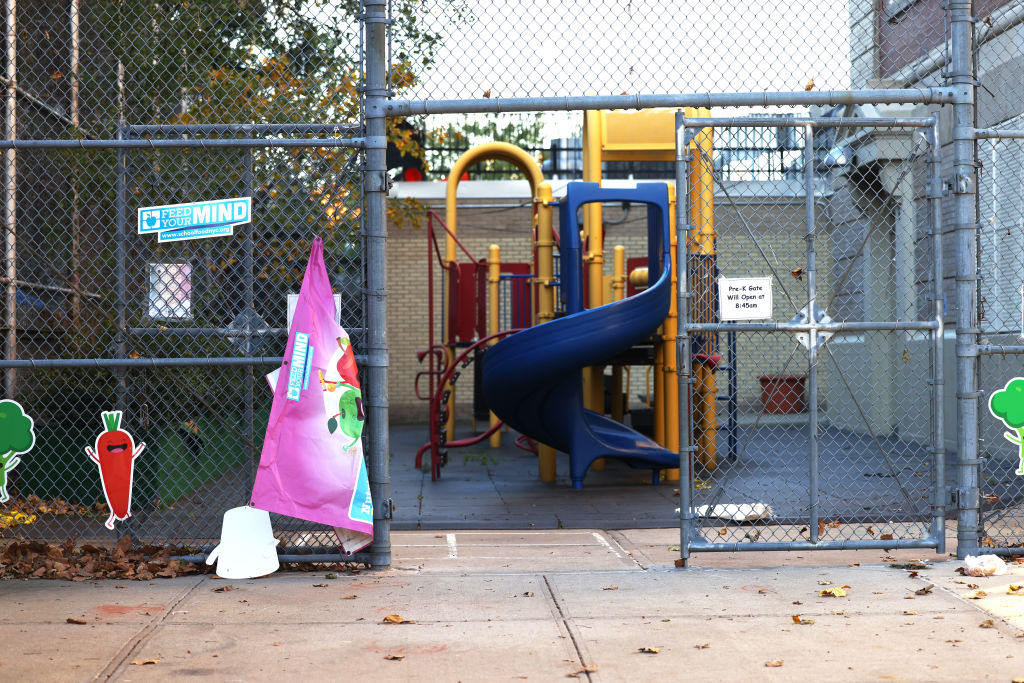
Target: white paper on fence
272,378
743,512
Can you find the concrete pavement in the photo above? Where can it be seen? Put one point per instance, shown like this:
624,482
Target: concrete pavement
534,605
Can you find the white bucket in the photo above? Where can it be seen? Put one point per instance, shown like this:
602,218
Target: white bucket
247,545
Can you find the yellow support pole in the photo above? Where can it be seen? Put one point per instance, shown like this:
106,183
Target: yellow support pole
593,232
545,270
670,402
618,293
702,243
493,280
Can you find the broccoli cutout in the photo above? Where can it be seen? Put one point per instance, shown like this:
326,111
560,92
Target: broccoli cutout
16,438
1007,404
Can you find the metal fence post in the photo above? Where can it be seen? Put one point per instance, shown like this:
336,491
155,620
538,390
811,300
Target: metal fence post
375,22
963,187
812,336
938,376
683,356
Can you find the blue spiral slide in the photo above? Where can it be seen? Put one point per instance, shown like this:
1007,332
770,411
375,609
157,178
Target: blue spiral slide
533,379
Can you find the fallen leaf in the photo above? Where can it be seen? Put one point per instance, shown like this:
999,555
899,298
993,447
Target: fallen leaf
973,585
73,620
723,531
394,658
798,273
976,595
834,592
396,619
797,602
144,662
823,582
774,663
648,650
797,619
991,498
277,644
487,93
528,594
1015,589
926,590
319,585
349,597
810,85
610,588
223,589
330,576
910,613
961,571
988,623
679,563
703,646
886,537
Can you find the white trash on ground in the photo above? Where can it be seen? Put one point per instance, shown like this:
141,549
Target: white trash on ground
743,512
984,565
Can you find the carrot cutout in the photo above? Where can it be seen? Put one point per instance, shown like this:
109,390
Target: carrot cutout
115,454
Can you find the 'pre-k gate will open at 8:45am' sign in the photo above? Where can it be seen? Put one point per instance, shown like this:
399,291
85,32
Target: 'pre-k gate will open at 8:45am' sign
174,222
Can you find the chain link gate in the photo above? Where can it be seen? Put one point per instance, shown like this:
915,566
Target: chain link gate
117,105
1000,300
818,423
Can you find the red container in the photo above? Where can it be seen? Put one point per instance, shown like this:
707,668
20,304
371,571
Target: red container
782,394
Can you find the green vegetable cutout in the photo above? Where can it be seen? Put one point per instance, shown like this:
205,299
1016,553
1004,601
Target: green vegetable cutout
1007,405
16,437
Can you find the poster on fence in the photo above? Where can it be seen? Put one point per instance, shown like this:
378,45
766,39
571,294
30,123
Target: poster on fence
312,463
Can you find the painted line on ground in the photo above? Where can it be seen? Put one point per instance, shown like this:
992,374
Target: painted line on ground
603,541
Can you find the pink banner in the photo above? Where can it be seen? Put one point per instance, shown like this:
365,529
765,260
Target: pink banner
312,464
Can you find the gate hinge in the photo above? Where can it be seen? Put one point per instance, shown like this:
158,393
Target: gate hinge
378,181
387,509
960,183
937,188
965,499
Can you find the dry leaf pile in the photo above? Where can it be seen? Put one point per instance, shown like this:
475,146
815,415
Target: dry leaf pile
36,559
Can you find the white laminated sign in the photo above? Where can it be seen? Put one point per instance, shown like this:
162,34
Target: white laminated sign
744,298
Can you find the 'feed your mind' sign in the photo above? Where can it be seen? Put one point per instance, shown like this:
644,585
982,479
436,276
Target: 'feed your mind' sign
174,222
744,298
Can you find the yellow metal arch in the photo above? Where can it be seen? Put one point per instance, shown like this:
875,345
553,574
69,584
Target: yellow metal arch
501,151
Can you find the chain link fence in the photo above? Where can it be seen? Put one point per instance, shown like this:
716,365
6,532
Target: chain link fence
120,105
830,439
112,105
1001,272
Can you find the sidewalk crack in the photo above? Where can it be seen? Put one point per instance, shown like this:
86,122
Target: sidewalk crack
570,628
133,644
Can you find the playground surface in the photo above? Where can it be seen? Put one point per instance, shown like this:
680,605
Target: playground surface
499,488
592,604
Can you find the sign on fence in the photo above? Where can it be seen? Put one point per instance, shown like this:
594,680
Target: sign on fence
176,222
744,298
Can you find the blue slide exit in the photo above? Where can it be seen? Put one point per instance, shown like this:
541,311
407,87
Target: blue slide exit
533,381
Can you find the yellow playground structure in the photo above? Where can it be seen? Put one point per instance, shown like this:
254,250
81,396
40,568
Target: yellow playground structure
647,135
